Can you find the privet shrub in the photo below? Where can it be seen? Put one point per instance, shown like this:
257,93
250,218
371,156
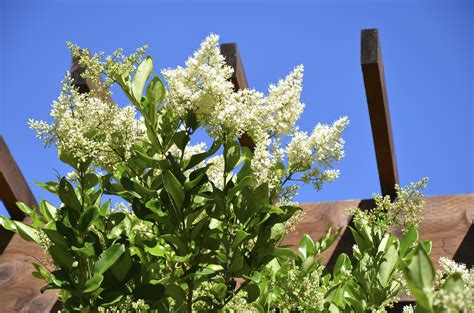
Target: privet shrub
199,228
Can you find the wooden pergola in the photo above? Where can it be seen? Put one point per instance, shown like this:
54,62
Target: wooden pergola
448,220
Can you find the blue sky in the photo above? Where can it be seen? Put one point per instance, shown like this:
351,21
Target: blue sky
427,50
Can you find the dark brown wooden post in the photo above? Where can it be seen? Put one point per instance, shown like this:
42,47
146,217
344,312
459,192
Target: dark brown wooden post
376,91
232,56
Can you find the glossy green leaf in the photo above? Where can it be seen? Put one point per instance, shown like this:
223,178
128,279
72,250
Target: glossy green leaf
253,292
408,239
68,196
88,217
198,158
26,231
174,188
48,210
306,247
108,258
419,273
155,91
62,256
141,76
90,180
232,155
94,283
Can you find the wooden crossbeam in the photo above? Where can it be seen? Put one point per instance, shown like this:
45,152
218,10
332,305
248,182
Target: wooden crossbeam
376,92
447,222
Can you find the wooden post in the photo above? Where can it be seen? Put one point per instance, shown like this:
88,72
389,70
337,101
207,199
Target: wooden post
232,56
376,91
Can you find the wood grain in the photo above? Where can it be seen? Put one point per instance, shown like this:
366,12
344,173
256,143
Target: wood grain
447,222
377,100
20,291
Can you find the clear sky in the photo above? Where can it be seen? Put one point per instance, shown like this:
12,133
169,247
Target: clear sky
427,50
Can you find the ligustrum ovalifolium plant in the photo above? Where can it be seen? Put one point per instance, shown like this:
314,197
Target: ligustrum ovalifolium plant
199,228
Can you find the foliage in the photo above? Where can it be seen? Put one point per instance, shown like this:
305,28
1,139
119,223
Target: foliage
200,228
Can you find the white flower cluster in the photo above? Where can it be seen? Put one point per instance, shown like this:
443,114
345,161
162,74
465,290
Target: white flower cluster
204,87
189,150
461,300
89,128
318,151
299,288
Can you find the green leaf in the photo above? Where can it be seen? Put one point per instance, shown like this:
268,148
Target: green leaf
62,256
253,292
87,250
386,267
419,273
175,292
48,210
25,208
284,252
41,273
237,262
67,158
232,155
149,292
277,231
239,237
68,196
454,284
50,186
141,76
26,232
306,247
181,139
155,91
90,180
408,239
174,188
108,258
308,264
88,217
343,265
198,158
157,250
94,283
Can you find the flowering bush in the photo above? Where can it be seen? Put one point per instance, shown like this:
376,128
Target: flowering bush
199,228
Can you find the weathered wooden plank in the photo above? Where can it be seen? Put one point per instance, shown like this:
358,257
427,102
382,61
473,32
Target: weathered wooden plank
232,56
20,292
377,100
447,221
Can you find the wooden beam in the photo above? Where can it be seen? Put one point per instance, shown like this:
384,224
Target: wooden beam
232,57
376,92
13,186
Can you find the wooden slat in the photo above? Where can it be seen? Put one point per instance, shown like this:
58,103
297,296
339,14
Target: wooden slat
20,291
376,92
232,56
447,221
